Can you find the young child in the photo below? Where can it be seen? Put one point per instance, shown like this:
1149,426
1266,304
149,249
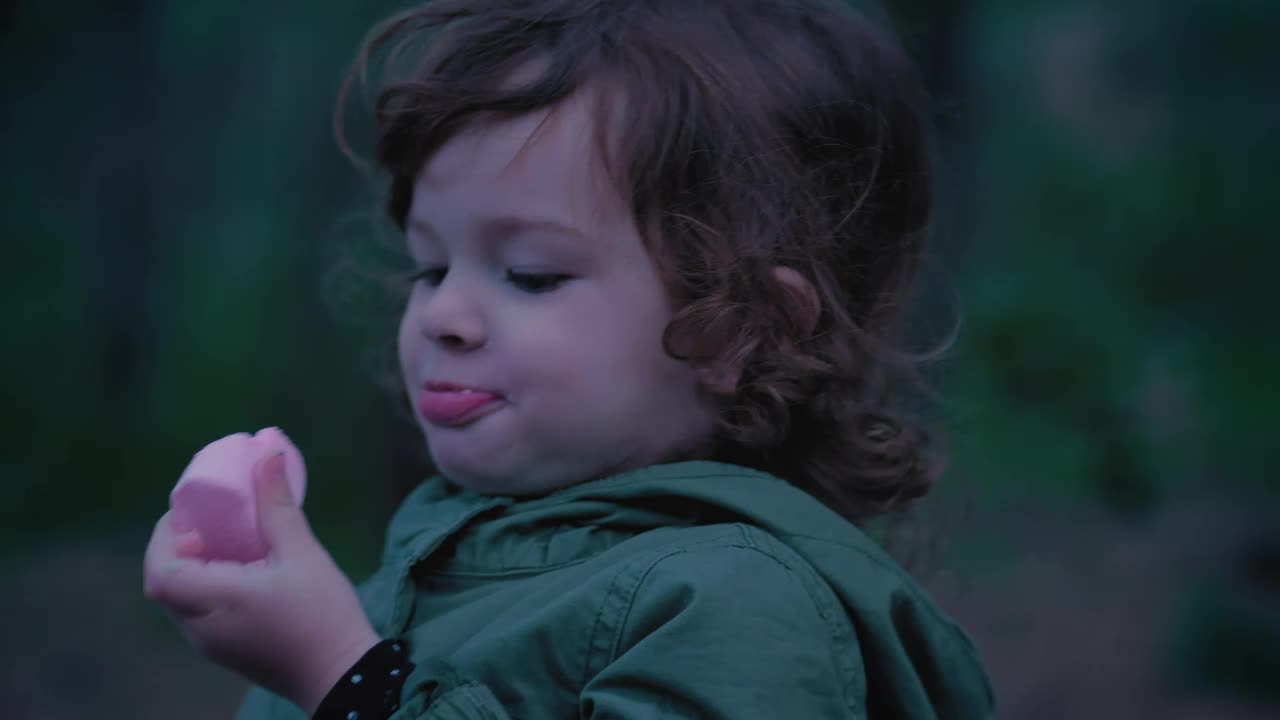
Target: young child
663,246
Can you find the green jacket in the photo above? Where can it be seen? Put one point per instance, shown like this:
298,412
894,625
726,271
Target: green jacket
694,589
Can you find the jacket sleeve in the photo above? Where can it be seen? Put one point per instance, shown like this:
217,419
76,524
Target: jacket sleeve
709,631
262,705
433,690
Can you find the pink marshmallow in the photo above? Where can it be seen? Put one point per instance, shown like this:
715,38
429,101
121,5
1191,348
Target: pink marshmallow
214,495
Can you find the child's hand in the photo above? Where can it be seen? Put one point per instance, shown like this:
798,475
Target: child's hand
290,622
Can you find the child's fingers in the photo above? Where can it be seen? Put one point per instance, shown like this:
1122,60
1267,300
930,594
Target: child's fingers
189,545
159,564
175,577
280,519
159,547
173,532
194,588
168,529
169,542
179,522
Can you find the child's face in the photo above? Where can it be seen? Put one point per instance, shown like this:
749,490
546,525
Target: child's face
563,325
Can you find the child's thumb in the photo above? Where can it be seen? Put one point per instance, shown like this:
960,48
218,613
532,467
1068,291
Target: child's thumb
279,517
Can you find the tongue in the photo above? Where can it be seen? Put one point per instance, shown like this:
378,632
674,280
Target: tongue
447,406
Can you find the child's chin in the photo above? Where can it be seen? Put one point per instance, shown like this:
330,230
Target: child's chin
478,472
485,478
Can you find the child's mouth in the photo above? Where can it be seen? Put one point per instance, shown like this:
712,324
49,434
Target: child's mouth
455,407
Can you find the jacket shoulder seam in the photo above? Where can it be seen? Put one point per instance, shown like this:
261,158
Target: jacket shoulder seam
843,644
904,580
615,603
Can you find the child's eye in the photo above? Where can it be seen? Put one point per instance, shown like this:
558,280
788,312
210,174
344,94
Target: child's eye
432,276
537,282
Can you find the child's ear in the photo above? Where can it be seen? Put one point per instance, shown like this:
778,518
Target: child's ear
806,306
805,309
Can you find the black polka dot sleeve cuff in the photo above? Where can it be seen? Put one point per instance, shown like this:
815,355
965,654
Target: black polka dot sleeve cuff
371,688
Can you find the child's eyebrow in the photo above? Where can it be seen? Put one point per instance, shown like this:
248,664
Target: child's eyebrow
503,229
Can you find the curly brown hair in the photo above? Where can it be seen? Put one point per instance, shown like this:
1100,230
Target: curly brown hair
753,134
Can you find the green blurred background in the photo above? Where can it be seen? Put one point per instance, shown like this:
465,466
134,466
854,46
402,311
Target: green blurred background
178,225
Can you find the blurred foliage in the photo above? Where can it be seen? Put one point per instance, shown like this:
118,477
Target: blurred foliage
1226,638
173,200
1116,282
174,206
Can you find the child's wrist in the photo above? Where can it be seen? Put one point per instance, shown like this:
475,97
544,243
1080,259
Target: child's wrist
370,688
317,682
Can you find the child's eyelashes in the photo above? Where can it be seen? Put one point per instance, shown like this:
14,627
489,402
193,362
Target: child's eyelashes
431,276
529,282
536,282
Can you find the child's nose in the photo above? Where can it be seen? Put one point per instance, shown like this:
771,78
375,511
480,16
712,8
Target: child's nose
452,319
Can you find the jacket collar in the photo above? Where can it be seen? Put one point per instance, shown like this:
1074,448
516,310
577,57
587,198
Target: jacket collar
501,534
